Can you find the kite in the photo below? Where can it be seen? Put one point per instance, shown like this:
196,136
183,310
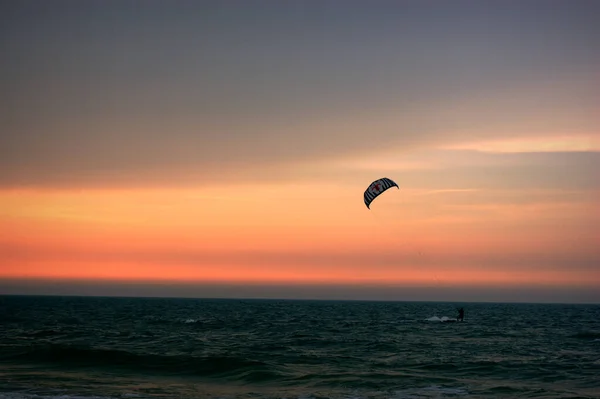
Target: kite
377,188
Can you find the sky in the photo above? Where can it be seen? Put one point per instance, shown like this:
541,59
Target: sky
222,148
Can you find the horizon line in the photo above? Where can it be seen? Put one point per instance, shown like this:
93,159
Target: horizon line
294,299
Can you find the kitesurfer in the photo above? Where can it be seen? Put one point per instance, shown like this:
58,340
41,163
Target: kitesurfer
461,315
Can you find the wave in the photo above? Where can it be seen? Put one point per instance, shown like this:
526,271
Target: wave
20,395
427,392
200,323
85,356
587,335
42,333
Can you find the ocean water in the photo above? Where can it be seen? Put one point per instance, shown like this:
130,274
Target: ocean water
84,347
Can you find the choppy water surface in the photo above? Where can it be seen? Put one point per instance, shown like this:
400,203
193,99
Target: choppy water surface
73,347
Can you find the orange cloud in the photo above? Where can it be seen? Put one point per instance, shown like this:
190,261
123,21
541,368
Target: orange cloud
551,143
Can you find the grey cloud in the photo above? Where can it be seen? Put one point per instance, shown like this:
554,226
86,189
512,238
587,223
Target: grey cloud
153,96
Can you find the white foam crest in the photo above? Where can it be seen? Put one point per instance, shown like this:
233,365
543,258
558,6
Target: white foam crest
440,319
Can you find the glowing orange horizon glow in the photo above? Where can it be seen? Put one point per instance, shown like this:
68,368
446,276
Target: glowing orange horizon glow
235,273
269,235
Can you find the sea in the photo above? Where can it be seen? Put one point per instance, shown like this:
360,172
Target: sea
103,348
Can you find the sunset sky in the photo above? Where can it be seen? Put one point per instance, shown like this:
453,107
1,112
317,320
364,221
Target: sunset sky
222,148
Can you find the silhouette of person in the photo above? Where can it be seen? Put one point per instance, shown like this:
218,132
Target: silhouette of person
461,314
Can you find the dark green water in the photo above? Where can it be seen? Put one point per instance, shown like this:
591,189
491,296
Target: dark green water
73,347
